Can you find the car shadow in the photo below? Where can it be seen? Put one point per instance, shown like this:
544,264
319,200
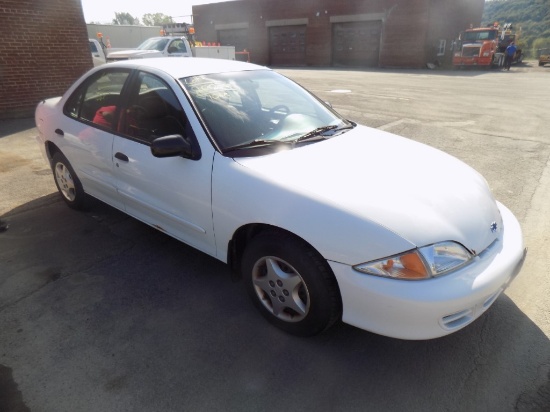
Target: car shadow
99,301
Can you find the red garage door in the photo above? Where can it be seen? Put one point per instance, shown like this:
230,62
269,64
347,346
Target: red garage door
356,43
287,45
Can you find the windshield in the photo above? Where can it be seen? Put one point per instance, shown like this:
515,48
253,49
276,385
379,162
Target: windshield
479,35
154,43
256,108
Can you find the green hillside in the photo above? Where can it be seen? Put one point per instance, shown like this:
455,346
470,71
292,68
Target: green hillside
533,16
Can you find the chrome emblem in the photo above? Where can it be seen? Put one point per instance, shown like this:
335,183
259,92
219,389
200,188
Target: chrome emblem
494,227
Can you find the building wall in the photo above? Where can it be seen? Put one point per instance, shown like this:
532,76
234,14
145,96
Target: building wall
43,50
411,30
447,19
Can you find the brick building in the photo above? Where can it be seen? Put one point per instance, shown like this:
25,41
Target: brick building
363,33
43,50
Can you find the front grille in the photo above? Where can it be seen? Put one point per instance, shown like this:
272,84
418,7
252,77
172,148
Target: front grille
470,51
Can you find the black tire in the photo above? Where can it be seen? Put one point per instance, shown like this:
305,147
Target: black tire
299,294
67,182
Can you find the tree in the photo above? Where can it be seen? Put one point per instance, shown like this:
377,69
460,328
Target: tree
125,18
531,16
156,19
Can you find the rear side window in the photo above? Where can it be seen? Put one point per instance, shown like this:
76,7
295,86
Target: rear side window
98,100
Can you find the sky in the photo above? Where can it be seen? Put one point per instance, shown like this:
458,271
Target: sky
103,11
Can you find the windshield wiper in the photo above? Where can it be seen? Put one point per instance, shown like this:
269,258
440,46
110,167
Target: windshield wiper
316,134
319,133
255,143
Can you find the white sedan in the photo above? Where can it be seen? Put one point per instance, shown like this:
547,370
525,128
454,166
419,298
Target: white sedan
323,219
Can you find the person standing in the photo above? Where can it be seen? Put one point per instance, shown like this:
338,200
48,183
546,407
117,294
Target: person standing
509,55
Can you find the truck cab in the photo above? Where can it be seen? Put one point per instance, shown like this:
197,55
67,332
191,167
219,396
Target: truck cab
484,46
475,47
98,52
165,46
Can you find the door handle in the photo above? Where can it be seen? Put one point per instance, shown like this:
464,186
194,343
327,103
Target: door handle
59,132
122,156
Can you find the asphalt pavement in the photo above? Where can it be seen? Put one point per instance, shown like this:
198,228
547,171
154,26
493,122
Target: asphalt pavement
99,312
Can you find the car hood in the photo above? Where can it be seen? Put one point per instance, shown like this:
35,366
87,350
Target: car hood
133,53
416,191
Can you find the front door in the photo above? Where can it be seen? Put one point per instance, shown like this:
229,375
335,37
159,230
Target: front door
171,194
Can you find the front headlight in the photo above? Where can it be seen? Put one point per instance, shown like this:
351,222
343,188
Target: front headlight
423,263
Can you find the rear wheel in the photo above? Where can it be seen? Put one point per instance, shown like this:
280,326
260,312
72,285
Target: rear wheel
291,284
67,182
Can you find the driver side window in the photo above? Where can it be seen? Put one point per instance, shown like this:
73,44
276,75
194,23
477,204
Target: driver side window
153,111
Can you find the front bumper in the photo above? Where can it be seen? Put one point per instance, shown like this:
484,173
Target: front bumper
436,307
472,61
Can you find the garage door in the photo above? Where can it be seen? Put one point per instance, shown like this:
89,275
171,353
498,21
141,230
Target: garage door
287,45
356,43
234,37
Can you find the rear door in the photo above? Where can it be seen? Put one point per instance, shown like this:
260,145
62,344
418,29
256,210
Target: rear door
90,120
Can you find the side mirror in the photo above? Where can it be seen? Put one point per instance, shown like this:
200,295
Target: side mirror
171,146
172,49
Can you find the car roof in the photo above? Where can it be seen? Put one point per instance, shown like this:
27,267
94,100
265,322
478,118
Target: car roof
179,67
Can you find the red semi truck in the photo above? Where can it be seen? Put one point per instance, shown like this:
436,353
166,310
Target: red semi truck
485,46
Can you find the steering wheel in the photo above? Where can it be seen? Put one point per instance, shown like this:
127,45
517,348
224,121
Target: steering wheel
279,108
137,111
274,118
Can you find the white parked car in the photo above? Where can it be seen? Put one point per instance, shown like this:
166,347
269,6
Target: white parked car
323,218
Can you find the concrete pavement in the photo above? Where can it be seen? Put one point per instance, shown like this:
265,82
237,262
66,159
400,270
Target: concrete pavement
99,312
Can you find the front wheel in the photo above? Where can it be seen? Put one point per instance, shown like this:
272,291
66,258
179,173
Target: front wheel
67,182
291,284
